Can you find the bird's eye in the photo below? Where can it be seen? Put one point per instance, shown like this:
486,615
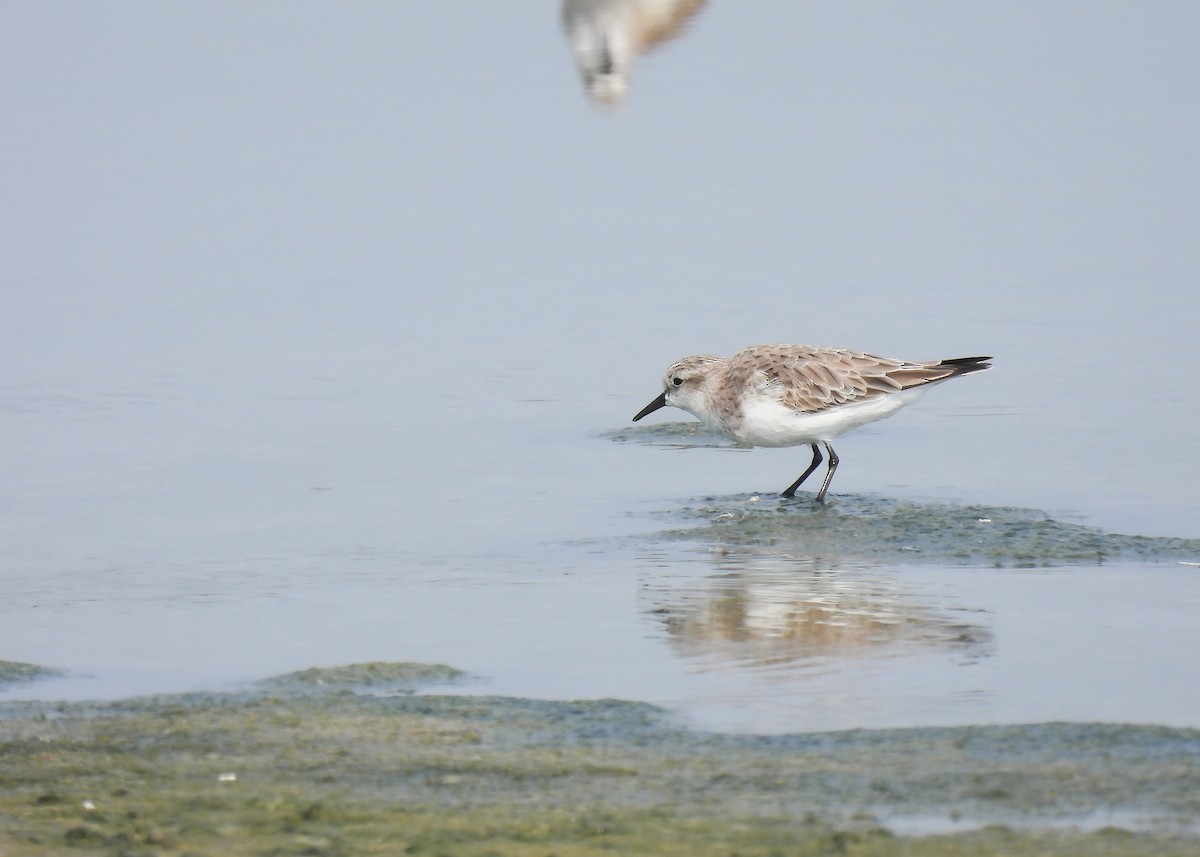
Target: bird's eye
678,382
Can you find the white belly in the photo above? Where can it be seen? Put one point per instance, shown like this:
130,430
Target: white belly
766,422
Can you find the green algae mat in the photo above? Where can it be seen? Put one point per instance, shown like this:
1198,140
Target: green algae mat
353,761
880,529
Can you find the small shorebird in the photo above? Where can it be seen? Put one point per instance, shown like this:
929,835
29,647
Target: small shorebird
787,395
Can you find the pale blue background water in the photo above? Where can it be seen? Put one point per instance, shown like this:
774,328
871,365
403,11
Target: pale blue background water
314,316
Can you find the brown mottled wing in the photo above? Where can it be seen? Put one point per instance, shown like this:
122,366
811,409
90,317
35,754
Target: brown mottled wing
811,378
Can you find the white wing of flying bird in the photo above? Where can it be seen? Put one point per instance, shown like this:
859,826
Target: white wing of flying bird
606,37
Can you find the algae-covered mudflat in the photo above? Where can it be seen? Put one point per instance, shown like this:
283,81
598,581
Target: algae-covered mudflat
353,761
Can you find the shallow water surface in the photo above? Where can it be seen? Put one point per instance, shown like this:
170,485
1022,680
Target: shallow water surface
323,331
731,638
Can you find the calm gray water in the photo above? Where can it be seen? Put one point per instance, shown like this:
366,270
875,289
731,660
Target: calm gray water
322,325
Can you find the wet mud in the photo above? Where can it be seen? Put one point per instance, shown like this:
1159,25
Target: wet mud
850,528
353,760
15,672
859,528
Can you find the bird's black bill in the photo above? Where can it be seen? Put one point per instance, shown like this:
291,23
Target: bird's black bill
660,402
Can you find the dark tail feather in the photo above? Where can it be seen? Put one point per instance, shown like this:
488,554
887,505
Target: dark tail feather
965,365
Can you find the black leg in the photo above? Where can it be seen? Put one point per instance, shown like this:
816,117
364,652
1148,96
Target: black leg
816,462
833,463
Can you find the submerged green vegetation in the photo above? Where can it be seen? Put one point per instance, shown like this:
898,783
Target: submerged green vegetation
340,762
375,677
14,672
854,528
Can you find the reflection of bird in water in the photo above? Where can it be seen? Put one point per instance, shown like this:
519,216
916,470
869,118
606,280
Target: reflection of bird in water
608,35
773,617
